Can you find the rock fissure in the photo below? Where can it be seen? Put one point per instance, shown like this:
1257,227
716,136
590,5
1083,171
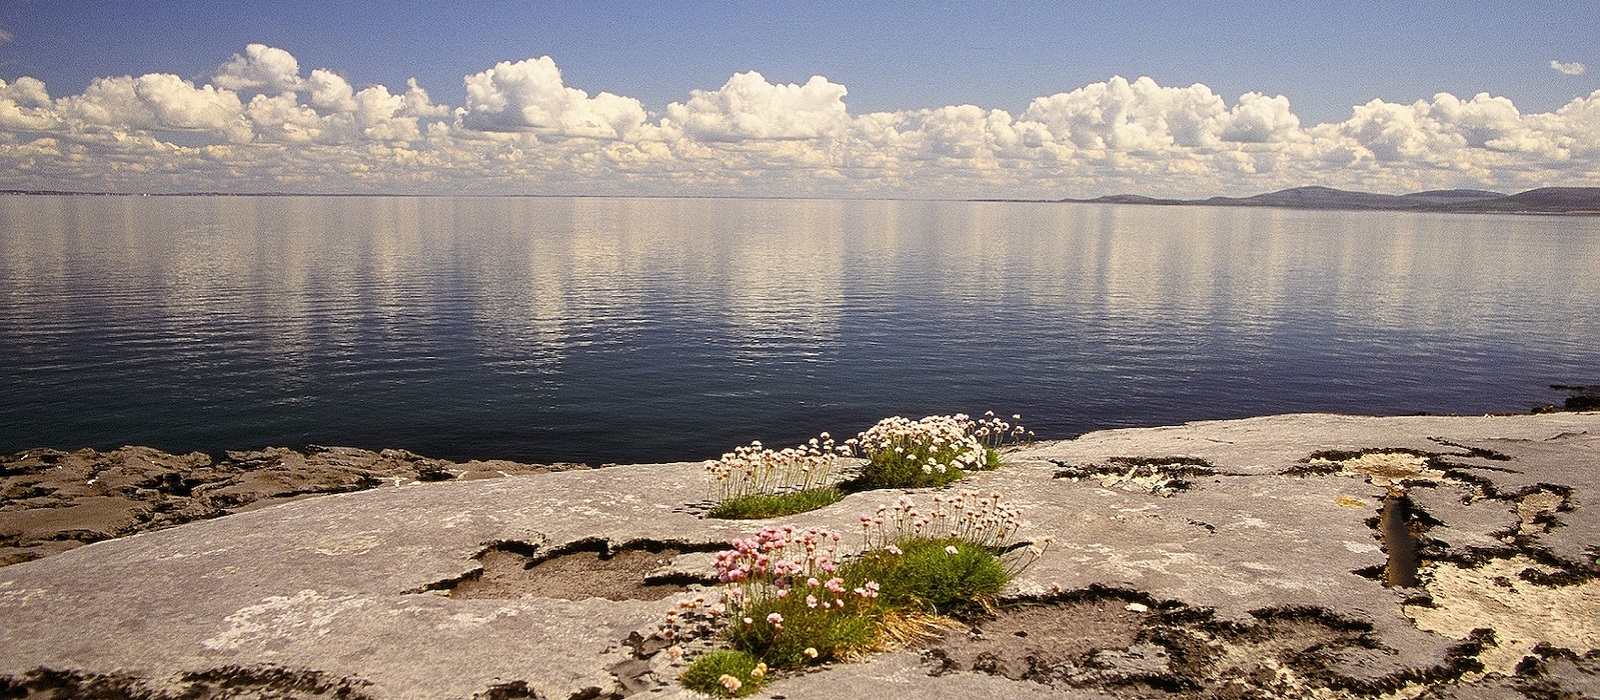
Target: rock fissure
585,568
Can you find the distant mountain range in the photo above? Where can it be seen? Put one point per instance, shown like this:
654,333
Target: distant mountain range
1545,200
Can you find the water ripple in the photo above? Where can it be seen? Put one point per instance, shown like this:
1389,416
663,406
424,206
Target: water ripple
627,330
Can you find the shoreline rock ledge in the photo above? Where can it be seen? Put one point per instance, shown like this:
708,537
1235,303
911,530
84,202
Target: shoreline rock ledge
1220,559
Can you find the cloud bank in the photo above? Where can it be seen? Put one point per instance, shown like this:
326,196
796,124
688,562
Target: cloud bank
263,123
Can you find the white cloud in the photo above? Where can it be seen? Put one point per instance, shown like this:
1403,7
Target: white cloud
419,104
25,105
329,92
1260,119
529,96
262,125
262,68
1568,68
156,101
282,119
749,107
5,37
1138,116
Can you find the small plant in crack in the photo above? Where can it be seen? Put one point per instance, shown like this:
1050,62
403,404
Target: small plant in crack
785,604
933,451
791,597
957,554
753,481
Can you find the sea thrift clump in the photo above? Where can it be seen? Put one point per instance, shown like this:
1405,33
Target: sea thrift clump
782,571
754,481
790,597
996,433
959,553
786,601
979,519
933,451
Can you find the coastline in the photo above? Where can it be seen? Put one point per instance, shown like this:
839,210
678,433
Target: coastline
1240,556
52,501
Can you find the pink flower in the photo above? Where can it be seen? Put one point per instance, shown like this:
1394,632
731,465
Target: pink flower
951,550
729,683
775,619
811,601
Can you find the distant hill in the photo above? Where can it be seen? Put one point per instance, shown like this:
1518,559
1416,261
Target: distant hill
1565,200
1557,200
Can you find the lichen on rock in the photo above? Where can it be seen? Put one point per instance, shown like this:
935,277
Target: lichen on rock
1522,614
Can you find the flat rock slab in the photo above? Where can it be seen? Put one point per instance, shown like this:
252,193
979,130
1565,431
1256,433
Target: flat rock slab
1214,559
52,501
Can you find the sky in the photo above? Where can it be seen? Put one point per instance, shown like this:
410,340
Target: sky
811,99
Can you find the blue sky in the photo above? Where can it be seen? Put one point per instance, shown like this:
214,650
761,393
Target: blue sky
908,59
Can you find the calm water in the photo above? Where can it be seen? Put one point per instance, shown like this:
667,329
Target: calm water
625,330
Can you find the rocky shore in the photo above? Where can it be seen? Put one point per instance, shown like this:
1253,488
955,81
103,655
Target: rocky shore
52,501
1300,556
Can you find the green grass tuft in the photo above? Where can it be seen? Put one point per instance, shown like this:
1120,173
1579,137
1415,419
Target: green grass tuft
837,634
904,470
760,505
705,674
925,577
991,459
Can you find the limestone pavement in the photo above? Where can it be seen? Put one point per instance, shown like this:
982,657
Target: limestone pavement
1215,559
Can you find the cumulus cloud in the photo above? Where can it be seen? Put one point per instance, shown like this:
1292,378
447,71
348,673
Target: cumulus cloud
1260,119
156,101
329,92
1568,68
1450,132
261,123
25,105
5,37
263,68
1137,116
749,107
529,96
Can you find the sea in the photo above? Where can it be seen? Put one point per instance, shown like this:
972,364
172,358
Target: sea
617,330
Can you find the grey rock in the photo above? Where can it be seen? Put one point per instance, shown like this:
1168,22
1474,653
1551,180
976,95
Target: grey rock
354,587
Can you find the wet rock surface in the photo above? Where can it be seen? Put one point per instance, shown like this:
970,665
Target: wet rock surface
52,501
1228,559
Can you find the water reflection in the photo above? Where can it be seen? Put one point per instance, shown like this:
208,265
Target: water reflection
606,329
